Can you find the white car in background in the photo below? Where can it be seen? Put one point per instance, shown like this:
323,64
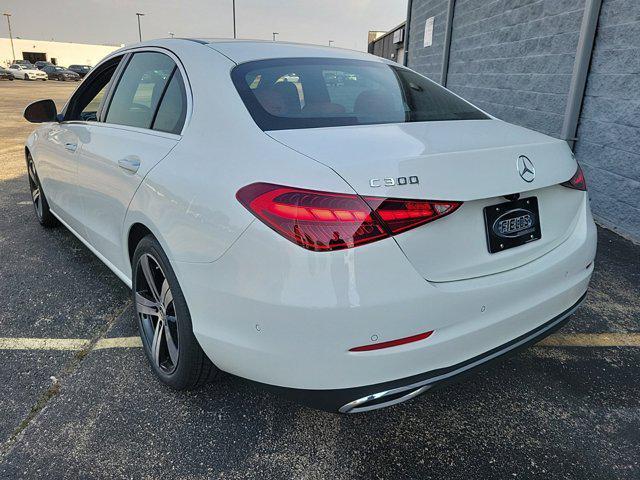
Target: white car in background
352,243
23,72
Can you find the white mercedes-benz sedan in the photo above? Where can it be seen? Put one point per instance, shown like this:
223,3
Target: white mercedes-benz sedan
24,72
327,223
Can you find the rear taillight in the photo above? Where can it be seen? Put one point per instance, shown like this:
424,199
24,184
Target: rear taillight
577,181
323,221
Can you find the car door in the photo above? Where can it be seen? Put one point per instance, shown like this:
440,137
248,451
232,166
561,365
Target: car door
142,123
58,147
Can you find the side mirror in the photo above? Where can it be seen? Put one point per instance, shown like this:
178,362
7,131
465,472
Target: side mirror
41,111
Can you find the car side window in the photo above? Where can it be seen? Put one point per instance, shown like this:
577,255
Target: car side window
173,106
90,111
140,90
85,103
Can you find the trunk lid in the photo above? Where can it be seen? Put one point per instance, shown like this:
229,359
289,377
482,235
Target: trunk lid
473,161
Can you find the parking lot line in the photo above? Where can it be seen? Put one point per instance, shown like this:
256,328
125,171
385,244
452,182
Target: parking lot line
74,344
592,340
118,342
43,343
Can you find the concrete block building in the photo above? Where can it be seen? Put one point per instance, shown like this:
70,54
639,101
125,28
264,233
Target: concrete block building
567,68
389,44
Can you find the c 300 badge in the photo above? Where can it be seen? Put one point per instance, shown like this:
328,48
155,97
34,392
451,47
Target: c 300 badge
392,182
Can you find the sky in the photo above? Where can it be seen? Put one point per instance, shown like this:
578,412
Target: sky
346,22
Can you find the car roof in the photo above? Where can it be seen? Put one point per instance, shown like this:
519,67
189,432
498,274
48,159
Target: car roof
240,51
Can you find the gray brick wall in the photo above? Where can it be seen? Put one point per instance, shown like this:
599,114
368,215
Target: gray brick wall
427,61
608,143
514,58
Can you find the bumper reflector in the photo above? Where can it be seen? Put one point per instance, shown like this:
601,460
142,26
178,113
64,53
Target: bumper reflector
392,343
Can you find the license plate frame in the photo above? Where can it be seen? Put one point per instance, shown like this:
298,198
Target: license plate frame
512,224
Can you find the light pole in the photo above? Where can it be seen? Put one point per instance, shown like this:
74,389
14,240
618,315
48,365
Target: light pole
139,29
234,18
13,53
330,42
274,35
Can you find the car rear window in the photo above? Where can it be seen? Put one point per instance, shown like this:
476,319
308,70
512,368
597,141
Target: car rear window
292,93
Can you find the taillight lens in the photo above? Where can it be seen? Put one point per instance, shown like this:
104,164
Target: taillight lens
324,221
577,182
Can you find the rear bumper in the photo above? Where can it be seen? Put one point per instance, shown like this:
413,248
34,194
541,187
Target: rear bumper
276,314
373,397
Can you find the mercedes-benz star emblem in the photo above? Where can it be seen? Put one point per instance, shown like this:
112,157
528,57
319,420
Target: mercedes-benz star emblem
526,169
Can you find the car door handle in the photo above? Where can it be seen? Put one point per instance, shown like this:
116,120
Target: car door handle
71,146
130,164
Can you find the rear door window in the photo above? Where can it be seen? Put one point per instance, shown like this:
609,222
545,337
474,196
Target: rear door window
140,89
173,106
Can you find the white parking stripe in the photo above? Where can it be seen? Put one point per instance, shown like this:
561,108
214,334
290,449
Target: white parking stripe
74,344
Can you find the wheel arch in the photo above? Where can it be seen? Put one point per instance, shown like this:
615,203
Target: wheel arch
137,232
136,227
30,144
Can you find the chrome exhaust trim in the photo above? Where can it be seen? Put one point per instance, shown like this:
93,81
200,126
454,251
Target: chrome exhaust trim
364,404
360,405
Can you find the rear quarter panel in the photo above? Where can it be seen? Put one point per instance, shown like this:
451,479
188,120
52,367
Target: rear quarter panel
189,197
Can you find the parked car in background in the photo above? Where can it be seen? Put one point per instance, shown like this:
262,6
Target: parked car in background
5,74
26,63
41,64
60,73
81,70
25,72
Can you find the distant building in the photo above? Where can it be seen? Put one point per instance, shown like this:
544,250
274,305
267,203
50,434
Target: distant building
59,53
388,44
374,35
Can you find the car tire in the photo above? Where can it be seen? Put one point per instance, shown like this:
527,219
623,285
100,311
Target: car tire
40,203
26,77
164,321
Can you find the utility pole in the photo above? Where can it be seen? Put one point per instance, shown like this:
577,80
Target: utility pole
139,29
234,18
330,42
274,35
13,53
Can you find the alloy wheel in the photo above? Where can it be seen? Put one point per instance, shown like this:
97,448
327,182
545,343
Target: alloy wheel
36,192
157,313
